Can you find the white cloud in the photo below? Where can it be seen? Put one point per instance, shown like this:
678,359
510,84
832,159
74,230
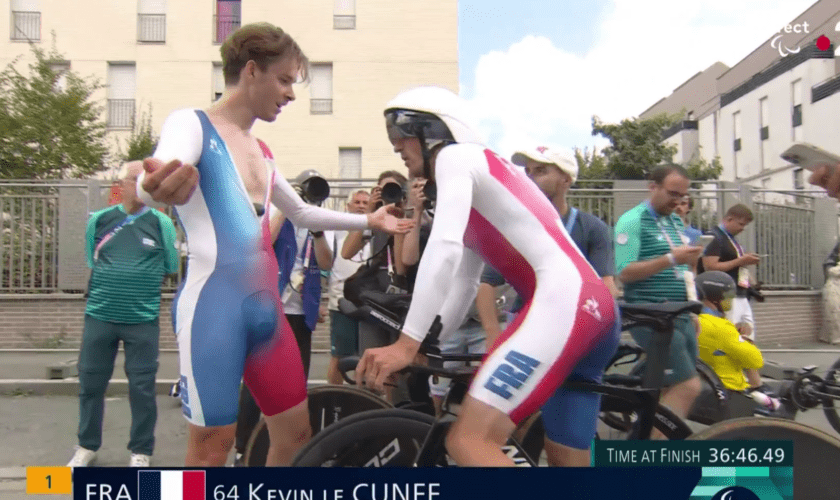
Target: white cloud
535,91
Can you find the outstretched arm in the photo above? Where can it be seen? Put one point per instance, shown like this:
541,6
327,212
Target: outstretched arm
284,197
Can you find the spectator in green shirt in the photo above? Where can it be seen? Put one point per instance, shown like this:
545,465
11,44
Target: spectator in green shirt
130,248
653,260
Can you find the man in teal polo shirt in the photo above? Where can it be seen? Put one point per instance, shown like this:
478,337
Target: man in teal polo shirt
130,248
653,261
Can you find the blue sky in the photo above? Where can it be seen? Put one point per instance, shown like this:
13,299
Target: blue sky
537,70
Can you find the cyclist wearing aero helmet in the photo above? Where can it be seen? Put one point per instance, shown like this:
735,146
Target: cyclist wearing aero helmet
488,210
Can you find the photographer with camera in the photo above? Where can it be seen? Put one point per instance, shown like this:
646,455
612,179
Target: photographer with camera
312,254
384,250
299,282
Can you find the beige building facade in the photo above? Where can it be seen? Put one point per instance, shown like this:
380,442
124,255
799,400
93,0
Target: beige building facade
786,90
165,53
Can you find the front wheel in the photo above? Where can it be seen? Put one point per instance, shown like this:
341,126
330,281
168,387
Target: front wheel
378,438
814,451
328,404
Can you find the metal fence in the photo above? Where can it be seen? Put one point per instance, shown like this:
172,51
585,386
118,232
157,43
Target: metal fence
32,216
28,257
783,236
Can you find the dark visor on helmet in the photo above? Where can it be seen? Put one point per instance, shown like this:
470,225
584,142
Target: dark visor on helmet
402,123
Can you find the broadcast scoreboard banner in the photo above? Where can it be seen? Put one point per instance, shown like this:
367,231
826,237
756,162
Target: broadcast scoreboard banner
649,470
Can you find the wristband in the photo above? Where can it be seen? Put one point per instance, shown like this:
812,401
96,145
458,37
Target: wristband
671,259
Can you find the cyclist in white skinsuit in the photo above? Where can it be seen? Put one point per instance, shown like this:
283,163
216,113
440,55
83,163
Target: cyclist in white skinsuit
487,209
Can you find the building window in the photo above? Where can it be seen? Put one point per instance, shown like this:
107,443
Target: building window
344,15
25,21
798,178
151,21
764,111
228,19
321,102
796,113
350,163
60,68
122,78
736,130
736,139
218,81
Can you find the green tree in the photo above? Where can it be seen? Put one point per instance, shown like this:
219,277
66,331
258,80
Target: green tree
591,165
142,142
48,130
636,144
636,147
700,169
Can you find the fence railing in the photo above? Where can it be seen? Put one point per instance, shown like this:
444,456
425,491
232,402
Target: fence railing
28,251
783,234
33,214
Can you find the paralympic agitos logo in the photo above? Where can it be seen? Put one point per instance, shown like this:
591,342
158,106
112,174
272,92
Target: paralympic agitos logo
735,493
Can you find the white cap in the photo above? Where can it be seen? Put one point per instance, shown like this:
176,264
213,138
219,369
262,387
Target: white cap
562,158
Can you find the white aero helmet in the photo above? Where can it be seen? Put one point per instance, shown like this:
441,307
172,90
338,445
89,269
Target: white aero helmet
432,114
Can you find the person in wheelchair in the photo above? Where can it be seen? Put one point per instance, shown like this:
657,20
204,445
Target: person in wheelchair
721,346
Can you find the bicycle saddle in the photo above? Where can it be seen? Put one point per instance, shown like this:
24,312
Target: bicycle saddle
349,309
656,314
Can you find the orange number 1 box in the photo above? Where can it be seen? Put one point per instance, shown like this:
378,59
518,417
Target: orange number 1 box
45,480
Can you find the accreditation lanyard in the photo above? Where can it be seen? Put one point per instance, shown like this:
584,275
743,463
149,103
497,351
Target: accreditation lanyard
570,223
738,249
662,228
743,273
129,219
307,254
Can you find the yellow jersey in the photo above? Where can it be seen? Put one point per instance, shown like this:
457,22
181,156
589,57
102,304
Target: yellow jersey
721,347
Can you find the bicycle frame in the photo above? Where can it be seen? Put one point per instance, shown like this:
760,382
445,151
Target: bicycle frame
644,400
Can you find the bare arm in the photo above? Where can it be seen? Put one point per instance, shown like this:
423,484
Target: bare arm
713,263
643,269
353,244
399,265
411,248
485,303
610,282
323,253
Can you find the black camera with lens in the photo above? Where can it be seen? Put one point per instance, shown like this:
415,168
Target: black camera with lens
392,193
312,187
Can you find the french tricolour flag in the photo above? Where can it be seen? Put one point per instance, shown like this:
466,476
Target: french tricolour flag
170,485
